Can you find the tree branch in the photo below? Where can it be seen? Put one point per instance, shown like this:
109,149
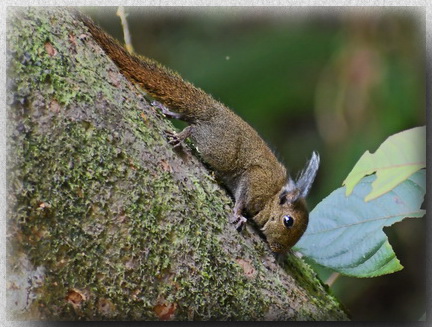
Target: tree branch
105,219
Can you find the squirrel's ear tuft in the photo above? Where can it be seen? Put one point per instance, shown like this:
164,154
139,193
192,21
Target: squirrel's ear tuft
307,176
290,192
293,190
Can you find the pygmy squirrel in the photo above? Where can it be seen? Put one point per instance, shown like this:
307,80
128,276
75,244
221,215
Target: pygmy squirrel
259,183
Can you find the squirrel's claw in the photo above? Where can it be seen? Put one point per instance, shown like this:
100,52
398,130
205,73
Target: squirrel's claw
176,139
173,138
238,221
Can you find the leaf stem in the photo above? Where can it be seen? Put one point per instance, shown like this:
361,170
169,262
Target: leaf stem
332,278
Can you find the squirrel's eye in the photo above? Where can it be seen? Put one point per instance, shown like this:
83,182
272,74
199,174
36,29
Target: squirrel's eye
288,221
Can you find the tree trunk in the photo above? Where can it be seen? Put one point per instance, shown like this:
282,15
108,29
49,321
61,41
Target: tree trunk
105,219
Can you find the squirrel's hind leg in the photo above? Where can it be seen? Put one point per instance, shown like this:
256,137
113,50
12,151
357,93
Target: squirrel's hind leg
175,139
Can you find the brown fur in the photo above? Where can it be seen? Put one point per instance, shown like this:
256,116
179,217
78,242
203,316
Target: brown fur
227,143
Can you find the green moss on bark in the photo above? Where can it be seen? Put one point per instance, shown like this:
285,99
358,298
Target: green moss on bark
124,227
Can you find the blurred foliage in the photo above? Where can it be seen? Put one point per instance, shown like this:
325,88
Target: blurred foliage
335,80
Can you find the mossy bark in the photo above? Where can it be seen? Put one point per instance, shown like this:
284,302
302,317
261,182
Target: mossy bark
105,219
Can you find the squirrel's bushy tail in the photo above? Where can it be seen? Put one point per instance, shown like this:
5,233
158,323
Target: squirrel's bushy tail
161,83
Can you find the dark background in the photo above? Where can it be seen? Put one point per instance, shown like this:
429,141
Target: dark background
335,80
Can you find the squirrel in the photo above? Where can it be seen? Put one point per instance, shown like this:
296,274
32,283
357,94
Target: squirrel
260,185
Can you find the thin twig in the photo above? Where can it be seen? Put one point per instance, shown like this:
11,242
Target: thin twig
127,37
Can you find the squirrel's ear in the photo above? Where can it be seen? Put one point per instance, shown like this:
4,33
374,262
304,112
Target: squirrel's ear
290,192
300,189
307,176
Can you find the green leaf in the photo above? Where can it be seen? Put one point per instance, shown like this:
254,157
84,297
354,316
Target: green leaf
400,156
346,234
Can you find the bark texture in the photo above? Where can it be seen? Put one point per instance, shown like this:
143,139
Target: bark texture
105,219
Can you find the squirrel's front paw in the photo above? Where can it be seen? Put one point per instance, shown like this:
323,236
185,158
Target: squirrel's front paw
238,221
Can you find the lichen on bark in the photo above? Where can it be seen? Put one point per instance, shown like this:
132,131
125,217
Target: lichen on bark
111,220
